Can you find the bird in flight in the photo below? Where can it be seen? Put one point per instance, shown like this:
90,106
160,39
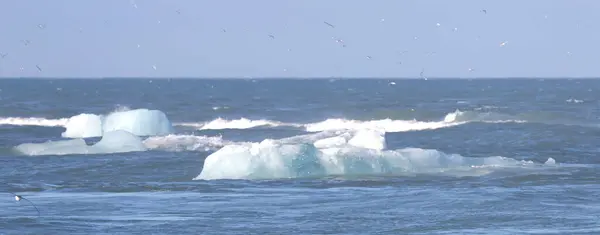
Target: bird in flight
18,198
421,74
484,11
38,67
271,36
330,25
3,55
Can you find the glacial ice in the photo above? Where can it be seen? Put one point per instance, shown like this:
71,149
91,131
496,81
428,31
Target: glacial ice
84,125
112,142
340,153
140,122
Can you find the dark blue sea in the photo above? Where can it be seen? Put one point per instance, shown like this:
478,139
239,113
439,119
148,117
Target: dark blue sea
295,156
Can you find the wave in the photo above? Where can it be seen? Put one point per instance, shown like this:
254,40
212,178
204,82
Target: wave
32,121
388,125
349,153
242,123
185,143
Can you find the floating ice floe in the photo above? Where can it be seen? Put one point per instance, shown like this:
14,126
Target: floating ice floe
361,152
112,142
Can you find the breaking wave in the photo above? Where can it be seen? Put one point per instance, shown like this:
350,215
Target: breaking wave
389,125
79,123
185,143
32,121
242,123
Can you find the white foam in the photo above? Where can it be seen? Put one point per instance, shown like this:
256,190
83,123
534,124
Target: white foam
242,123
451,119
488,117
331,153
32,121
571,100
83,126
112,142
388,125
185,143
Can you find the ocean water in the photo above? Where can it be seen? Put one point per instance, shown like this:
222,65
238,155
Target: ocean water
354,156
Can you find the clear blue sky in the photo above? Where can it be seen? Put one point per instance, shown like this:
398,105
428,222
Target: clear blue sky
100,38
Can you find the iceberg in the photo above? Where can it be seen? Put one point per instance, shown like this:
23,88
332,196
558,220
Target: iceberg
140,122
84,125
339,153
112,142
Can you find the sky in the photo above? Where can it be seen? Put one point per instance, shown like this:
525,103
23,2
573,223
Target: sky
230,39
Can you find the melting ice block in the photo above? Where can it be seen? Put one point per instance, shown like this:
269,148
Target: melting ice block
112,142
342,153
83,126
140,122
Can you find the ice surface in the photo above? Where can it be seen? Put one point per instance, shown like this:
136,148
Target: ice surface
112,142
83,126
140,122
340,153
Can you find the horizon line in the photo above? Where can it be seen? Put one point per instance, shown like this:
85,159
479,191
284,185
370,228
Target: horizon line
296,78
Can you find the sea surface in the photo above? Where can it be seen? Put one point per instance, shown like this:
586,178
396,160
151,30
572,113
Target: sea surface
276,156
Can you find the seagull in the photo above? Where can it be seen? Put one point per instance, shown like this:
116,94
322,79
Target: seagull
421,74
3,55
484,11
271,36
38,67
41,26
178,12
18,198
330,25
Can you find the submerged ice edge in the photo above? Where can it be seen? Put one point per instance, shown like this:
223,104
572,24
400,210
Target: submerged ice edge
343,154
118,141
119,144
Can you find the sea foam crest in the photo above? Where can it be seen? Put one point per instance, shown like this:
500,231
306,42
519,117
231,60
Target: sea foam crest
242,123
361,152
388,125
185,143
32,121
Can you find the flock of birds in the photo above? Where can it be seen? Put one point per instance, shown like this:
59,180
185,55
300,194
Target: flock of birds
26,42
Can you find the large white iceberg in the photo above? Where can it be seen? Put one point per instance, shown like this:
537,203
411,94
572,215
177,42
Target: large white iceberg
340,153
84,125
140,122
112,142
